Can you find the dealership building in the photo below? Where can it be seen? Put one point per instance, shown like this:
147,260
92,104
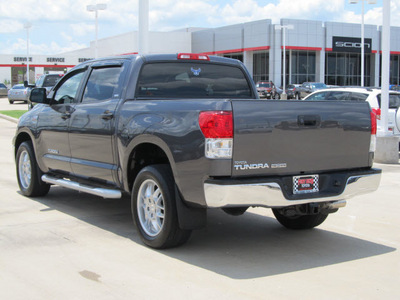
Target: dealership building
327,52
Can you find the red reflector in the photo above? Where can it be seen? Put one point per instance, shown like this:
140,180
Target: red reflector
193,56
373,122
216,124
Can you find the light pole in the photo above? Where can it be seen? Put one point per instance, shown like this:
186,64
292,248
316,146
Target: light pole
96,8
143,40
27,26
284,28
385,66
362,34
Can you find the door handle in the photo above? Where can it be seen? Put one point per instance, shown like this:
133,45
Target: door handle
107,115
65,115
309,120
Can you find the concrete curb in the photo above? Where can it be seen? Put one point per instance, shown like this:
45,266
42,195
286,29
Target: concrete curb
9,118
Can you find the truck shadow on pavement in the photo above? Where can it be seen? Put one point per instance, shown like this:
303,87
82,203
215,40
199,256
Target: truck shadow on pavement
244,247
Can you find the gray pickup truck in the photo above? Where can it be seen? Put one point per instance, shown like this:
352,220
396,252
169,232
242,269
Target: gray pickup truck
185,133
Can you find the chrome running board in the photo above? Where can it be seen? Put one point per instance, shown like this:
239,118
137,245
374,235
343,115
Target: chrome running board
105,193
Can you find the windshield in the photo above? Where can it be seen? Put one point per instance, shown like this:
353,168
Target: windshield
18,87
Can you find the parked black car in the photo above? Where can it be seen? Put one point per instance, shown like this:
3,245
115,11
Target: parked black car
291,90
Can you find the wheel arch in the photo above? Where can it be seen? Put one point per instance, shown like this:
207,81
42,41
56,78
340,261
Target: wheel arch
144,151
21,137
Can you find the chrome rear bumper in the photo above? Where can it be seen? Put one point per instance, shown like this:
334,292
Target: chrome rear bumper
271,195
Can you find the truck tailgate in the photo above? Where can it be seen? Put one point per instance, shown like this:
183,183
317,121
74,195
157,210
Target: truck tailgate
299,137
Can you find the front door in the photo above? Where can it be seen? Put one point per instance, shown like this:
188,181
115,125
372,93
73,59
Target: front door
92,125
52,126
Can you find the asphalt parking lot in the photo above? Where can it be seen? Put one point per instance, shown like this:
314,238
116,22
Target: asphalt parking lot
69,245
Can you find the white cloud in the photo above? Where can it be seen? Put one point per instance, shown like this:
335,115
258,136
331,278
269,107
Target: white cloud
81,29
10,26
19,46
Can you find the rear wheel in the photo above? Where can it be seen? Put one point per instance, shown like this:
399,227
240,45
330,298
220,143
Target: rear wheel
28,172
154,208
10,101
299,221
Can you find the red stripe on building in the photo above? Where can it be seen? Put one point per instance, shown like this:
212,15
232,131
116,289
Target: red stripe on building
129,53
241,50
302,48
257,48
33,66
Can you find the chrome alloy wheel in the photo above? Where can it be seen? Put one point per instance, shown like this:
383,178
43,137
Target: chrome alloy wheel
25,169
150,207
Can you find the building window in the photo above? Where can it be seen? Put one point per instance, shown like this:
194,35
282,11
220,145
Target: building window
394,69
344,69
235,56
302,66
260,66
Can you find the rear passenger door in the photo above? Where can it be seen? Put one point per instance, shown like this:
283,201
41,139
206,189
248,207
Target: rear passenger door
92,125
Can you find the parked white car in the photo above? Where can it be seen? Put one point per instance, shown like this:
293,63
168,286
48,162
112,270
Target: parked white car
371,95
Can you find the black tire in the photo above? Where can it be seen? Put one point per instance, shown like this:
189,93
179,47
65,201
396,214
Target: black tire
155,214
28,173
277,96
301,221
10,101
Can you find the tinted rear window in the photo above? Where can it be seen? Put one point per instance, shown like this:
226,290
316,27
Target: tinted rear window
192,80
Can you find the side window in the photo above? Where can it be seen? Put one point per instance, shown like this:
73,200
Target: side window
394,101
358,96
66,93
338,95
101,84
317,96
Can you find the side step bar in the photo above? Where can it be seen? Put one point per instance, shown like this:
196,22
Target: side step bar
105,193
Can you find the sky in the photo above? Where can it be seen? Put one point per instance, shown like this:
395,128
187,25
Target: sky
65,25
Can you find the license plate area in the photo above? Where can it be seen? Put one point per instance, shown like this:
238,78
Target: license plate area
305,184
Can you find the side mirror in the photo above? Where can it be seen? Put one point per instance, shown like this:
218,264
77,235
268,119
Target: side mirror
39,95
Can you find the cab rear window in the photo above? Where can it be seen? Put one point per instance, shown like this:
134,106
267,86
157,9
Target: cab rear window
192,80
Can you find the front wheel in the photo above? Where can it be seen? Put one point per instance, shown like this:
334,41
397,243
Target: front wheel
28,172
299,221
154,208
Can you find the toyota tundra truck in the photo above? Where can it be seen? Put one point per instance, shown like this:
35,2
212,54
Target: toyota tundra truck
185,133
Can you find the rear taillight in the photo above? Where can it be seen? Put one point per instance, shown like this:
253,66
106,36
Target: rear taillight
377,112
217,128
373,122
372,146
193,56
